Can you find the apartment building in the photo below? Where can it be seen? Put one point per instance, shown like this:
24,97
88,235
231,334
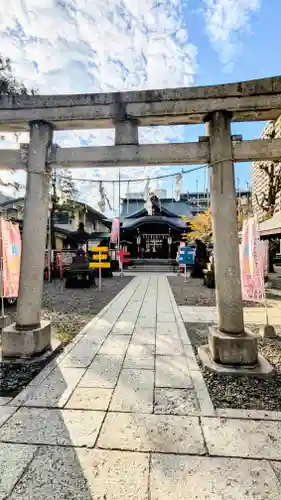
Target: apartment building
259,177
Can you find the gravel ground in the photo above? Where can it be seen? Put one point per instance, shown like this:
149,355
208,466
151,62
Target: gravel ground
193,293
69,310
243,392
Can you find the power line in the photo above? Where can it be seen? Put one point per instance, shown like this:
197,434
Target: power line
162,176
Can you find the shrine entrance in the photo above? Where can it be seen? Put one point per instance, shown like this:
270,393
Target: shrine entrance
152,240
155,245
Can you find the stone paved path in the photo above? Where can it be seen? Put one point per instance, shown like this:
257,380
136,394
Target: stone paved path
205,314
124,414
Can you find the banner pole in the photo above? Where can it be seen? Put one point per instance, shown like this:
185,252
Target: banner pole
50,247
2,269
99,273
262,275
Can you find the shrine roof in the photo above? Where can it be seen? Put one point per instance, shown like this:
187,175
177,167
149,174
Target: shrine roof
135,208
174,222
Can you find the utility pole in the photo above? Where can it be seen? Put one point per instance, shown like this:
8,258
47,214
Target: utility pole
197,189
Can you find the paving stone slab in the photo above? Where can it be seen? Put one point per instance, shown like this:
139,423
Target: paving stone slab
164,309
203,478
49,368
143,335
4,400
6,412
79,474
243,438
53,427
205,402
162,433
146,321
166,317
183,333
115,344
89,398
53,392
140,356
277,469
123,327
14,458
170,329
168,346
134,392
190,356
249,414
146,315
81,355
172,371
175,402
103,372
99,331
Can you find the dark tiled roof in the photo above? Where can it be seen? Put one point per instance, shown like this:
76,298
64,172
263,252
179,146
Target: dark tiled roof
175,222
135,207
11,201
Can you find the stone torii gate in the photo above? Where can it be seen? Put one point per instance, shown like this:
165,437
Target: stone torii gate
216,106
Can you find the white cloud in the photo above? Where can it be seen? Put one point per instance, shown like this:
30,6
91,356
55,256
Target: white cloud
84,46
225,20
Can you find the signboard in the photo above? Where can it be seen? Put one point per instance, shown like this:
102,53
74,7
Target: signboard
99,265
101,253
11,255
101,256
187,255
98,249
252,263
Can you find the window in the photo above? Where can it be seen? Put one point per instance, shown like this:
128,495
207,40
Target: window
62,218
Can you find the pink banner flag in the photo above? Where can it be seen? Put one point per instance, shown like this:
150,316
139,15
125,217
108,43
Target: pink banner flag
11,255
252,263
115,231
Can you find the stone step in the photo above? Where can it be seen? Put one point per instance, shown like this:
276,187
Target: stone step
150,269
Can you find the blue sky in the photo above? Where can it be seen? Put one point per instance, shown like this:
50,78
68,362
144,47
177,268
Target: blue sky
66,46
253,54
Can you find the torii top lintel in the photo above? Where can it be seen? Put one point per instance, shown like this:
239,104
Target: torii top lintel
252,100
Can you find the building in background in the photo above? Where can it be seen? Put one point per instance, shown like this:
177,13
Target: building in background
260,179
65,222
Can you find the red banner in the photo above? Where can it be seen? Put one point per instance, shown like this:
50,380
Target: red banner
11,255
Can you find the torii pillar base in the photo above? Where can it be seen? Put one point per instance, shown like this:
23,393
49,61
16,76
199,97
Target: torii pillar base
233,355
26,343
